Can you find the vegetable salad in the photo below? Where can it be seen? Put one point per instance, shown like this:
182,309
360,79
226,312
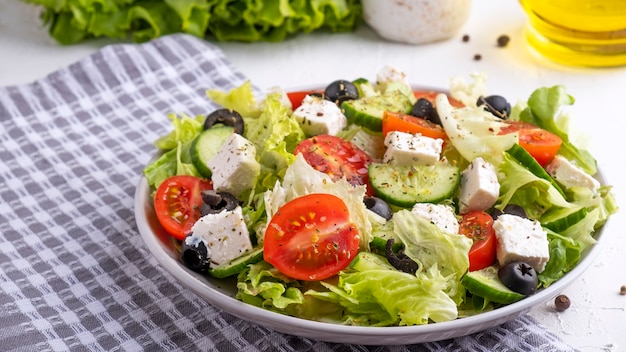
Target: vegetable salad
402,211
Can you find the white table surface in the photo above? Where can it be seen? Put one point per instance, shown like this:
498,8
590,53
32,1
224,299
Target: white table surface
596,319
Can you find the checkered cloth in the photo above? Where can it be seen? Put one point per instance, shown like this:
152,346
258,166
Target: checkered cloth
74,272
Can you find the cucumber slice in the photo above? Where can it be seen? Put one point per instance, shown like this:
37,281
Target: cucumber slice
237,265
485,283
365,261
565,222
405,185
368,111
521,155
206,145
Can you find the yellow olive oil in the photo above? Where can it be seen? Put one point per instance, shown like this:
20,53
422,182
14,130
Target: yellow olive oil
578,32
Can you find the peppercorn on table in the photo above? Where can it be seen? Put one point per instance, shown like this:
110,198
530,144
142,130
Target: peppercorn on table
71,283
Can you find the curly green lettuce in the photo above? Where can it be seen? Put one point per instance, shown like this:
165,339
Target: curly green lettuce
72,21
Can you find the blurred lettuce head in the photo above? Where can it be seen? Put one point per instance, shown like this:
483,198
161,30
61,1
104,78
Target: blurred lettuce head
70,22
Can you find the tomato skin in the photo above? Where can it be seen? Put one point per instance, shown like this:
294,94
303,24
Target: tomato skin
311,237
539,143
478,225
296,97
177,203
337,158
395,121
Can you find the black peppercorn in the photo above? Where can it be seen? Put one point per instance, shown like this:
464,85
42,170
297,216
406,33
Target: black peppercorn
561,303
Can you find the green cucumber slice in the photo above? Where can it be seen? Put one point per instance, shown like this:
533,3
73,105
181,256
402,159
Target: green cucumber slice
368,111
485,283
566,221
405,185
237,265
365,261
521,155
206,145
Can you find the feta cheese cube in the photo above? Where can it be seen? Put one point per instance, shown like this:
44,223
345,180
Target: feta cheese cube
389,74
479,186
521,239
411,149
569,175
320,116
439,214
225,234
234,168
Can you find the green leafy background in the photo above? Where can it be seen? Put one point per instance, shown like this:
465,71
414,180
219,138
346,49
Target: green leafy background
72,21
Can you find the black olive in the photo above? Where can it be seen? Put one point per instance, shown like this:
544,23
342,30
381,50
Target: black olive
226,117
378,206
215,202
496,105
340,91
194,253
512,209
519,277
400,260
424,108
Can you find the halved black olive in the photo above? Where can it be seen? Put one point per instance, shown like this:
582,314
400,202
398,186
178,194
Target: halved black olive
215,202
340,91
424,108
519,277
400,260
226,117
496,104
378,206
194,253
512,209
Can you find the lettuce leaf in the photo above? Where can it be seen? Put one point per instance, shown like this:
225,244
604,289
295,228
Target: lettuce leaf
175,158
545,110
71,22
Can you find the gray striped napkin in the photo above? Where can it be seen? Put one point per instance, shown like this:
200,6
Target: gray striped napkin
74,273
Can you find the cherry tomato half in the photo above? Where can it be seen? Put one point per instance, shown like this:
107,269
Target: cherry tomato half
337,158
177,203
311,237
395,121
478,225
539,143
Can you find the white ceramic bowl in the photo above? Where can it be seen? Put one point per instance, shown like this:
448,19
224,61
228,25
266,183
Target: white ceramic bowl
416,21
221,293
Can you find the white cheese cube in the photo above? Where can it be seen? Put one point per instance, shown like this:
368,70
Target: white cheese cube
439,214
479,186
225,234
521,239
320,116
569,175
234,168
389,74
411,149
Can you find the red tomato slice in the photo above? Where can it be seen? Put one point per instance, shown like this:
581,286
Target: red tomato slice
539,143
395,121
431,95
296,97
311,238
478,226
337,158
177,203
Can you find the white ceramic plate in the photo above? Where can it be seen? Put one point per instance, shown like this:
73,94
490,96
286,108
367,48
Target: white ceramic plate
221,293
